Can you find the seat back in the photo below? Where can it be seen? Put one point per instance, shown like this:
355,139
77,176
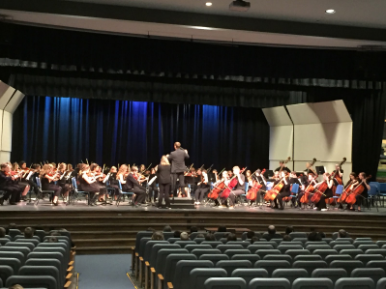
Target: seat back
14,263
365,258
294,252
335,257
214,244
5,272
256,246
226,283
377,264
141,235
340,247
13,254
373,273
47,262
142,246
320,283
199,252
284,248
230,265
149,246
242,243
173,240
250,257
291,274
351,252
22,249
214,257
41,234
308,258
376,251
162,255
332,273
365,247
266,283
272,265
349,283
168,235
198,276
310,265
13,233
46,281
231,252
42,271
312,248
171,264
183,244
219,235
278,257
181,277
263,252
225,247
3,241
325,252
191,247
381,284
249,273
349,265
294,235
49,255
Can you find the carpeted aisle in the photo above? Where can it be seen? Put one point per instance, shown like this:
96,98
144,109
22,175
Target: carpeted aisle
103,271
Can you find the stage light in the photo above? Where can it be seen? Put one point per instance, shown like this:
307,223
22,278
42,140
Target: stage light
239,6
330,11
208,4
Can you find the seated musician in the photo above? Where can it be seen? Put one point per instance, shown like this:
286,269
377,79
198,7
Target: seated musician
63,182
293,179
225,179
328,193
282,167
351,182
261,180
153,188
134,181
48,178
366,187
338,172
88,183
111,178
9,184
239,189
284,192
203,188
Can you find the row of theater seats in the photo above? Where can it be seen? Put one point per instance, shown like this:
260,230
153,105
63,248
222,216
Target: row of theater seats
36,263
162,264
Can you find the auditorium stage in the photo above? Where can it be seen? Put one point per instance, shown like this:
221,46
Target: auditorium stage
44,206
111,229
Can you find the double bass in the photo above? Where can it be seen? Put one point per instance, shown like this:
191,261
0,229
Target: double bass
252,192
335,174
233,182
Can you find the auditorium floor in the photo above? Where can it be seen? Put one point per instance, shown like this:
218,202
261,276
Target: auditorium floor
81,206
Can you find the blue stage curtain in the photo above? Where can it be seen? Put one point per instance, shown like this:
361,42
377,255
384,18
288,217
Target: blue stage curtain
111,132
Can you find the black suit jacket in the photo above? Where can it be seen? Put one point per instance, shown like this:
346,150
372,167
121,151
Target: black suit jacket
177,160
133,184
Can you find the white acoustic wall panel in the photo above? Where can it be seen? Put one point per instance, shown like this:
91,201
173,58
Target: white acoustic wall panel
6,93
6,139
1,127
322,131
281,135
14,101
5,157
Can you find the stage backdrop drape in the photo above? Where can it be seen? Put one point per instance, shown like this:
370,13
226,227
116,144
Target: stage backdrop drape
112,132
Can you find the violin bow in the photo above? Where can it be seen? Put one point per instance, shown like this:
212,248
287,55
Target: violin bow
209,169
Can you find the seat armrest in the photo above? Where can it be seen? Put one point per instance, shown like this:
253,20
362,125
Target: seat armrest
170,285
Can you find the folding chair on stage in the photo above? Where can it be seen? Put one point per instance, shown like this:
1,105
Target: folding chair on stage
38,197
122,194
76,194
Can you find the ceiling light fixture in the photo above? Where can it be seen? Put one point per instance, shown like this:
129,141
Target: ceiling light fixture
208,4
330,11
239,6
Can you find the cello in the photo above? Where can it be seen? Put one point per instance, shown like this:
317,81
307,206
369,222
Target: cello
218,187
233,182
318,192
272,193
252,192
347,190
351,197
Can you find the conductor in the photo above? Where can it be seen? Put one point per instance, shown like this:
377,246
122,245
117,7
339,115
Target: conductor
178,167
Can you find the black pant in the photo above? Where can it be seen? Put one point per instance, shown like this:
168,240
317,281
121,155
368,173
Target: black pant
322,203
233,194
181,178
360,198
140,194
279,199
200,192
13,193
164,190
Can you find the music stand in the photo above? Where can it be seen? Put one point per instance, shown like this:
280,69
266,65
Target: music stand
211,177
268,174
320,170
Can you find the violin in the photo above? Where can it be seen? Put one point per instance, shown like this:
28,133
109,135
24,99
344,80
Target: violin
252,193
233,182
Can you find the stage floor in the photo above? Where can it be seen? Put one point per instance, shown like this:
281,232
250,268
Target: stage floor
45,206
